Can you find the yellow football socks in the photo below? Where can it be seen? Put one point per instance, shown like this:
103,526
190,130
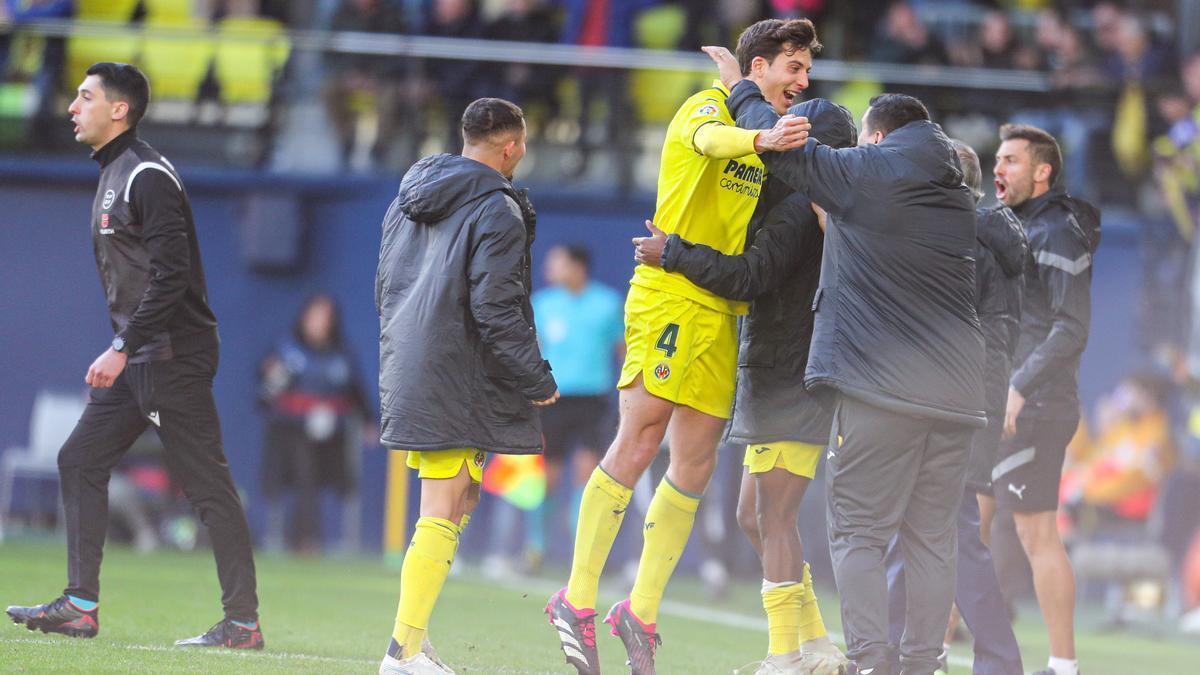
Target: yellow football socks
426,565
812,626
600,514
668,525
782,602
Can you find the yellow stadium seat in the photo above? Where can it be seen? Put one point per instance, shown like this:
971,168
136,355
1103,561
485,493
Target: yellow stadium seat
105,10
657,94
250,51
176,53
83,50
169,9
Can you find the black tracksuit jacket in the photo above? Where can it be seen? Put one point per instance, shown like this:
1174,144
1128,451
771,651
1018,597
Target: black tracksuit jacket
1056,310
144,239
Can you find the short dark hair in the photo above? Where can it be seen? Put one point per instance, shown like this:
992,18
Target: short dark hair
488,117
889,112
578,253
768,37
124,82
1042,146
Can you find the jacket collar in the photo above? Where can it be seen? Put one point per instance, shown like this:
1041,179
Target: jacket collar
113,149
1032,207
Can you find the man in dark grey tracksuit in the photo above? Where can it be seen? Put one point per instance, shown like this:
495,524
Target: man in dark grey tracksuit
157,372
897,338
1000,253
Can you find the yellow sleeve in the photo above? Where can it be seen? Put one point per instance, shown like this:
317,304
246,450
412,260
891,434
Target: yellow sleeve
721,141
704,125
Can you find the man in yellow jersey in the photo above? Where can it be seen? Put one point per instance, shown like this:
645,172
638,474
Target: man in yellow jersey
682,347
783,426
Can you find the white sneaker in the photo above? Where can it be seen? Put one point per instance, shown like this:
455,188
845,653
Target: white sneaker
428,650
780,664
823,659
417,664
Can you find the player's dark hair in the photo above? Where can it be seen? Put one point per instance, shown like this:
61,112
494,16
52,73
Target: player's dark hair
580,254
1042,146
123,82
771,37
889,112
489,117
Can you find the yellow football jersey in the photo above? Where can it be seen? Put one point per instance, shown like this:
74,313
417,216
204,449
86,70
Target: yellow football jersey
703,200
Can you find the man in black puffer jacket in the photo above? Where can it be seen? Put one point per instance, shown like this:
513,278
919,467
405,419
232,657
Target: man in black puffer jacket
460,371
782,425
897,337
1000,253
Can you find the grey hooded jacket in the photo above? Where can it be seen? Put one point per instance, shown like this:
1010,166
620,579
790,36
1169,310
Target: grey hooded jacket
459,362
895,312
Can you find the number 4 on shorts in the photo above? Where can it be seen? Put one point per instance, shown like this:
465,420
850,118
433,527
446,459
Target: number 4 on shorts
666,341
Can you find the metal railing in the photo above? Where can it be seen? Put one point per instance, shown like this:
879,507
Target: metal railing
412,46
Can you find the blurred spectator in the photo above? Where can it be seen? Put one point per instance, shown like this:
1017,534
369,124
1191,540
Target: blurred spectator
1167,245
1106,26
457,81
44,78
1121,471
581,326
1081,100
1178,151
996,46
313,397
527,84
361,86
1144,68
903,38
604,23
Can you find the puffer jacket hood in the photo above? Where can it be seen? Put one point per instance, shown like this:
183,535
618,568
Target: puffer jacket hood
1002,234
924,144
438,185
832,124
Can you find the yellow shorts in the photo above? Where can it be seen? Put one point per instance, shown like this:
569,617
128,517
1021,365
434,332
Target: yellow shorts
685,352
795,457
447,463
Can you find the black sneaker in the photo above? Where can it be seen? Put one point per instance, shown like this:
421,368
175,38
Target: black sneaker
60,616
226,633
640,639
576,633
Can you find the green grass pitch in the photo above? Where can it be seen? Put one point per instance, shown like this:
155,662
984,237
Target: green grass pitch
335,616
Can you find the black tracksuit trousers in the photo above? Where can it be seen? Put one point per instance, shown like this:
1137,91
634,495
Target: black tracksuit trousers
175,396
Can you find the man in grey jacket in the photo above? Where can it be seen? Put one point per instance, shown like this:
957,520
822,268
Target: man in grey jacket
898,341
460,371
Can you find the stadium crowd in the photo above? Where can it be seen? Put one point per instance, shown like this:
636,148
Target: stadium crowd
1124,101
